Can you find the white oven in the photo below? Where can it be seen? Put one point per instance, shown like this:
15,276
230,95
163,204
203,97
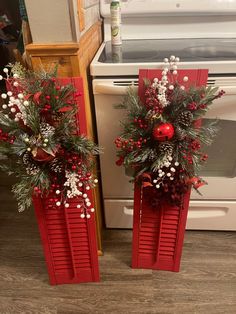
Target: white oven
185,36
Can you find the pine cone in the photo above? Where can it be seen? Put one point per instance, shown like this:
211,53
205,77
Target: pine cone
31,167
180,133
46,130
152,155
185,118
166,148
56,165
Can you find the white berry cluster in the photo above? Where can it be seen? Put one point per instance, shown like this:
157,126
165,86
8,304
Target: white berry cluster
162,85
166,172
14,105
15,76
72,182
75,188
85,206
161,88
171,65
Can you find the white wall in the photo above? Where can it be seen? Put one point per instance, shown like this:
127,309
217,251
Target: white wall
91,13
53,20
56,21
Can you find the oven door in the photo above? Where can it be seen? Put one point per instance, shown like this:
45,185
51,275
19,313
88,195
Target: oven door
216,208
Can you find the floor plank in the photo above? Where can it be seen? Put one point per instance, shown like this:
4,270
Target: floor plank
206,283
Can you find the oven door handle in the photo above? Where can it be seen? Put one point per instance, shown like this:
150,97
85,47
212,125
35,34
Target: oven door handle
111,89
229,90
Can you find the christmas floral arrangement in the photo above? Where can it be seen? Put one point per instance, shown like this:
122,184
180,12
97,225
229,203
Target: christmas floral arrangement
163,135
40,143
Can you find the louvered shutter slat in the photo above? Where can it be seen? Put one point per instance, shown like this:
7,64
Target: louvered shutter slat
69,242
158,232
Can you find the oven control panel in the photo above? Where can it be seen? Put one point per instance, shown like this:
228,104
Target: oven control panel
171,7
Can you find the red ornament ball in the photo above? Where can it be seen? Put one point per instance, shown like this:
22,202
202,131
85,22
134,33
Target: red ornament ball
163,132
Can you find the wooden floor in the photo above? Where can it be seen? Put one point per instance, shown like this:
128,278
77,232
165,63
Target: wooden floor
206,283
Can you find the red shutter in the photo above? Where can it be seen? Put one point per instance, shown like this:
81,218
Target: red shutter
69,242
158,232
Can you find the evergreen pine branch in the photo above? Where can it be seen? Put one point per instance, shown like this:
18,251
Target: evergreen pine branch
5,148
205,134
143,155
33,118
131,102
23,194
81,145
41,180
9,124
158,162
146,82
66,125
19,147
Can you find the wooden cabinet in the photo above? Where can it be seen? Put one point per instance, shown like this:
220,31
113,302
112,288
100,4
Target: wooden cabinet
73,59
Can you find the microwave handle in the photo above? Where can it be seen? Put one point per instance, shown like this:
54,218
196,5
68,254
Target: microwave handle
110,89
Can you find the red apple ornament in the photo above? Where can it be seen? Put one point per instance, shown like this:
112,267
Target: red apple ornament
163,132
